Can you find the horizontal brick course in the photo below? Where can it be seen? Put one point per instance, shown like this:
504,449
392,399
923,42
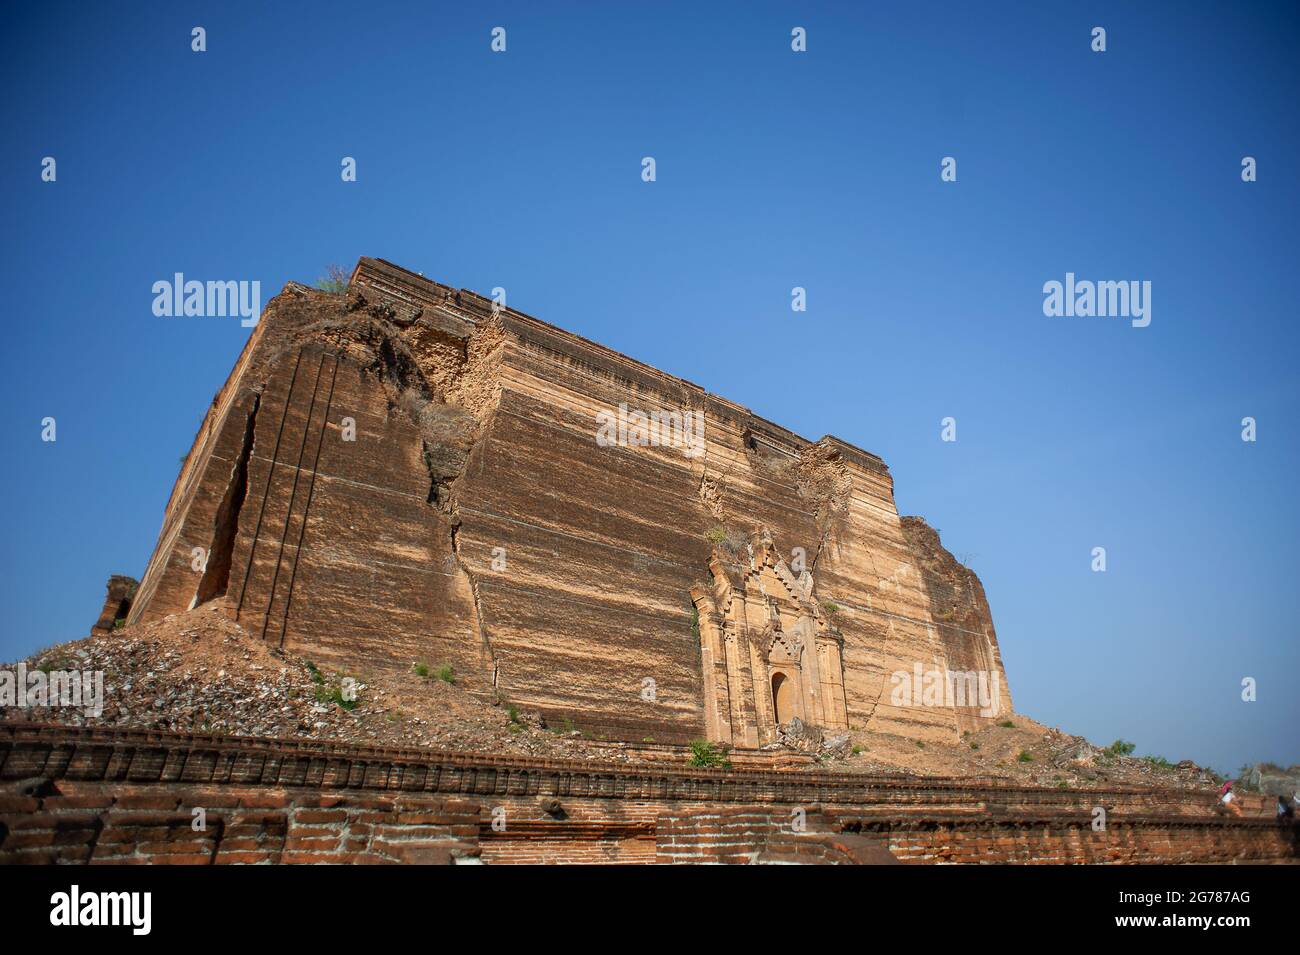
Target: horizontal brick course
101,807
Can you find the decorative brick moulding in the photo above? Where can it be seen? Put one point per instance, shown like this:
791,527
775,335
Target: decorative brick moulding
130,797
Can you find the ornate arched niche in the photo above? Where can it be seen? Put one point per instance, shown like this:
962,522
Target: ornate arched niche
767,651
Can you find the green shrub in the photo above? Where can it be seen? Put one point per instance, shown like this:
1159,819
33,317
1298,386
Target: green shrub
974,745
334,280
1025,756
704,753
1119,748
716,534
59,661
334,695
1007,724
564,727
421,669
445,674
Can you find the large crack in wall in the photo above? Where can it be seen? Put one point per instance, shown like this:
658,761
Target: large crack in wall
487,657
478,391
446,385
824,479
216,572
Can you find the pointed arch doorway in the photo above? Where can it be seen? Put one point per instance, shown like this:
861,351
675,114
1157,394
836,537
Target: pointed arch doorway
783,693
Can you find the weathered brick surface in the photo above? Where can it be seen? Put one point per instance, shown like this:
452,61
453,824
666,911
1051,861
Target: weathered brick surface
476,432
128,831
1155,840
117,603
108,809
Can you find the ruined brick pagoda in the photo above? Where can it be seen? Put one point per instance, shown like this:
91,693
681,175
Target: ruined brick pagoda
406,472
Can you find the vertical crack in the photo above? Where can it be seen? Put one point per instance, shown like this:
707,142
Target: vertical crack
216,573
487,658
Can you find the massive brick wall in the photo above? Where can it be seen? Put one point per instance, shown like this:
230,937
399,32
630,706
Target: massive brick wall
157,824
961,615
763,834
474,520
1149,841
70,795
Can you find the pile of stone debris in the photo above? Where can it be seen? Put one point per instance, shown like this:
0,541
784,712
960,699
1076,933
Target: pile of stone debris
1117,765
805,738
201,672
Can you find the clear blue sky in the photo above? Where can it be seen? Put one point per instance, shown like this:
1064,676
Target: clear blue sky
775,170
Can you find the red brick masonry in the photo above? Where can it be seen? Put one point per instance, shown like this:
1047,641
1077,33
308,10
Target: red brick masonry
106,796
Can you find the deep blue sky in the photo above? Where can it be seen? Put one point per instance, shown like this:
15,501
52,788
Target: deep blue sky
775,169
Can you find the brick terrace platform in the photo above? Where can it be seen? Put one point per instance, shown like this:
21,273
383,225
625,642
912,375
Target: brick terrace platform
114,796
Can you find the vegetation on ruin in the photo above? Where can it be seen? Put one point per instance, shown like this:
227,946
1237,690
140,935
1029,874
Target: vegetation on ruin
716,534
334,694
334,280
444,672
707,755
326,693
564,727
1119,748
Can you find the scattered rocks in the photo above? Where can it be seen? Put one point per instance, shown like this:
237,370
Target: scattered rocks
800,736
200,672
838,746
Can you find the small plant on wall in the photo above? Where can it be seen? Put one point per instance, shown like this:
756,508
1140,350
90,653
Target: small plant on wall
706,754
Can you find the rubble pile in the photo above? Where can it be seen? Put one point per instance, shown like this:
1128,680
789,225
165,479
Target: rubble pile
201,672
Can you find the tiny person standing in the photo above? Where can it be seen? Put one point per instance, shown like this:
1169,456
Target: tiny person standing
1228,798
